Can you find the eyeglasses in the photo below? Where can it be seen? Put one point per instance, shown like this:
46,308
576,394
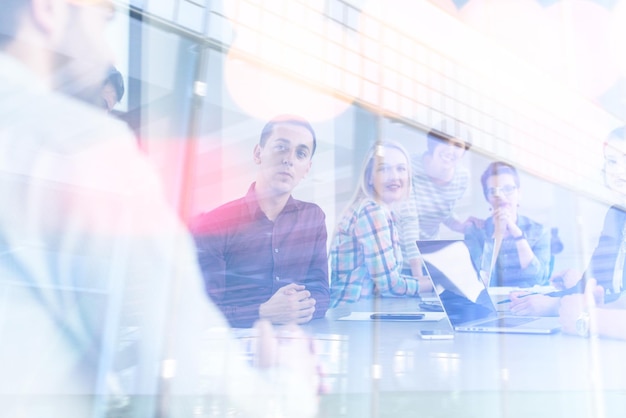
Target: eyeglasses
614,158
507,190
615,163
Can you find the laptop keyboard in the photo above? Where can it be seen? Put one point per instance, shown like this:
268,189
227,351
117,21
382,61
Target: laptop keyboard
507,322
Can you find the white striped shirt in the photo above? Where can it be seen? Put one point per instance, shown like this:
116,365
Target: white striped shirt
435,203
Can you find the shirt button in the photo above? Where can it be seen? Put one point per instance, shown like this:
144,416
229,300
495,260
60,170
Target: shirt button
277,278
276,250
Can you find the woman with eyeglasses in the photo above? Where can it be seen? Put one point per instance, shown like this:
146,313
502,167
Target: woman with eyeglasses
604,276
601,309
521,245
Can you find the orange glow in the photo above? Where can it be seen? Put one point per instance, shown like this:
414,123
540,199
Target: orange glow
264,94
509,23
292,46
446,5
569,39
582,30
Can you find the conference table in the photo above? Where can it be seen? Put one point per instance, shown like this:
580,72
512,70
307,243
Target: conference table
383,369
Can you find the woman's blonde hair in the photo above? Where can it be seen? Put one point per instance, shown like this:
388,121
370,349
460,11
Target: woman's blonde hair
365,189
374,154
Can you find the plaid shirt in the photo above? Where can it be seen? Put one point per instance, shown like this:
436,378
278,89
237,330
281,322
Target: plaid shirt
366,259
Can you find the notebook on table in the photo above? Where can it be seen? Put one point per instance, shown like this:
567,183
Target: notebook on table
465,298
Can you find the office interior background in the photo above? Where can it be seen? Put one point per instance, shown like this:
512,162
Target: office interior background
540,83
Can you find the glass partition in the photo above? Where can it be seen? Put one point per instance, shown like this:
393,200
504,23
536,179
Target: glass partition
205,77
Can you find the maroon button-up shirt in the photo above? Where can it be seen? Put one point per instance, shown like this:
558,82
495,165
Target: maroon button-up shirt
245,258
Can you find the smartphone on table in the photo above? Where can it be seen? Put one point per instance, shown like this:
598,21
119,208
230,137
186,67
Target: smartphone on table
436,334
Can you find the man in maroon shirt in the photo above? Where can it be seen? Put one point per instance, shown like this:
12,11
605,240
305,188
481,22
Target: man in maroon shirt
264,255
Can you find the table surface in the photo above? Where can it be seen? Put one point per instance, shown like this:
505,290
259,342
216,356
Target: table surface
382,368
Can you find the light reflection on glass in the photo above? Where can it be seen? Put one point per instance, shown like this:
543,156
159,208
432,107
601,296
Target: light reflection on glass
447,363
331,351
403,362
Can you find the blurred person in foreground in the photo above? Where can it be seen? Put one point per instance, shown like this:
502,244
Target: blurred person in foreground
102,311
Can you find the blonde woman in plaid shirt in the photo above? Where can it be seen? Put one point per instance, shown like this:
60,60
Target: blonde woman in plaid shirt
366,256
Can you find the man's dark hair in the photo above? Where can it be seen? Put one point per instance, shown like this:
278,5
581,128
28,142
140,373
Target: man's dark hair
10,18
496,168
447,131
115,79
287,120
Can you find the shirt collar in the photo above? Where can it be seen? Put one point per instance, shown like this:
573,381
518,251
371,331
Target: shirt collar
254,210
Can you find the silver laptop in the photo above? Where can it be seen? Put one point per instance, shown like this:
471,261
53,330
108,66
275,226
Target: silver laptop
465,298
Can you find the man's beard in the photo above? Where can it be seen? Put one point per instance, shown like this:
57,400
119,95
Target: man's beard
84,86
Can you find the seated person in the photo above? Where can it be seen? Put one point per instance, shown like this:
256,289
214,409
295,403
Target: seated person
366,258
524,245
587,315
606,265
264,255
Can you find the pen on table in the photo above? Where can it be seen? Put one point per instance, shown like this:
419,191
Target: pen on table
520,296
557,293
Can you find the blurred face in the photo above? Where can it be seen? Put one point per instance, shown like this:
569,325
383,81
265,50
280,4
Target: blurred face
502,192
82,52
448,154
390,176
285,159
615,165
109,96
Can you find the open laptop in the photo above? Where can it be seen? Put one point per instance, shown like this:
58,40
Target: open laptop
464,296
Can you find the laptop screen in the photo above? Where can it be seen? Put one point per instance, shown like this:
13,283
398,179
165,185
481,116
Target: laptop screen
463,295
